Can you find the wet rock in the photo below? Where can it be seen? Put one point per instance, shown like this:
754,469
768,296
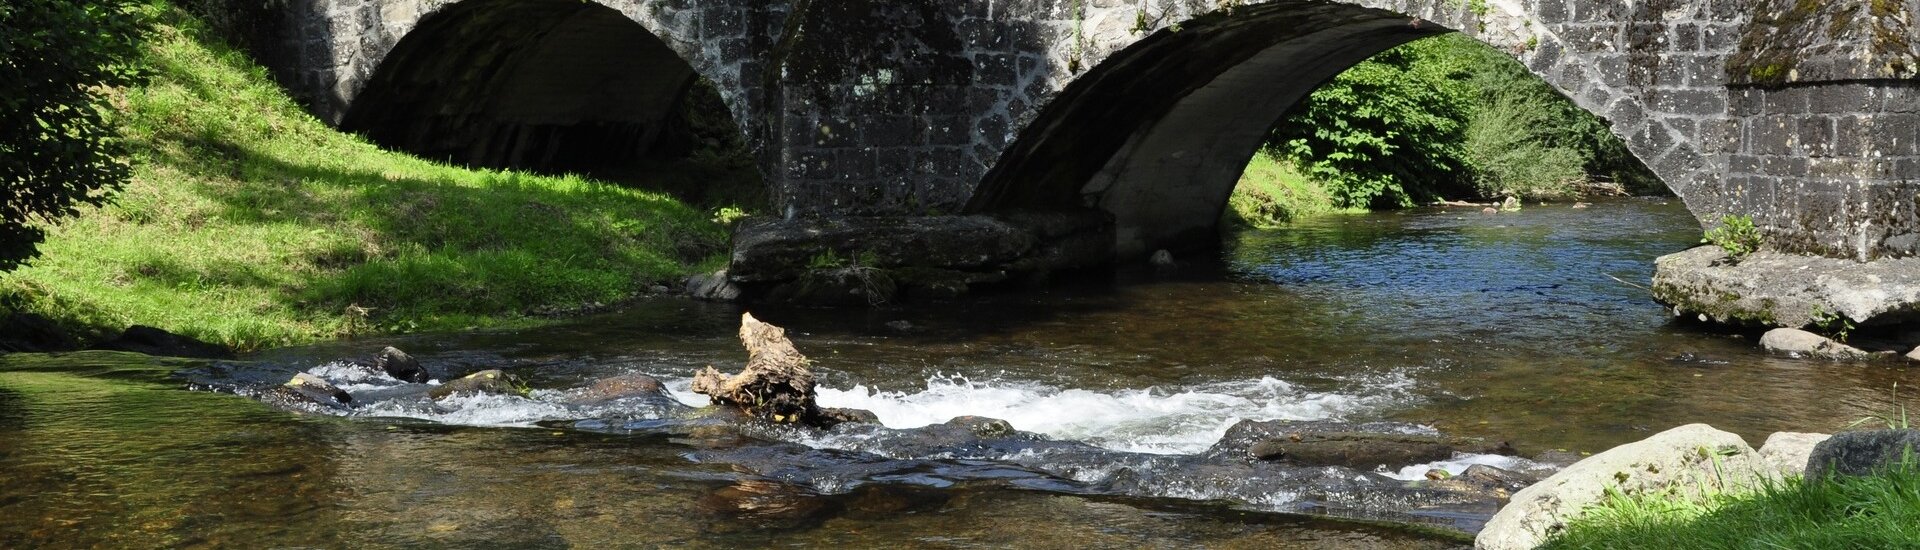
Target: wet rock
1489,211
1788,452
1915,354
1692,458
768,504
1365,450
490,381
776,385
401,366
625,386
153,341
33,333
1492,477
1581,205
845,286
307,391
1862,453
982,426
1800,343
780,250
926,283
836,416
1512,204
1787,290
900,325
713,286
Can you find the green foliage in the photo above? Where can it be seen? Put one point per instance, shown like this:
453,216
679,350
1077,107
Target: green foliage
1386,133
826,260
1895,419
1832,325
1736,235
61,61
1272,192
249,223
1448,117
1879,511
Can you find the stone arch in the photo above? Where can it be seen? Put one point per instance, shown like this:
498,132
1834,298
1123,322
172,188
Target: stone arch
554,85
1157,131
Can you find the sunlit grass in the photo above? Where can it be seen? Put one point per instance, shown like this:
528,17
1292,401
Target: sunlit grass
1881,511
250,223
1272,192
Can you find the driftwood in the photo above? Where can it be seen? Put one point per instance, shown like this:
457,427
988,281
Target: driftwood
777,384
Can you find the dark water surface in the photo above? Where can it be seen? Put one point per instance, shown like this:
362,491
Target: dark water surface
1507,327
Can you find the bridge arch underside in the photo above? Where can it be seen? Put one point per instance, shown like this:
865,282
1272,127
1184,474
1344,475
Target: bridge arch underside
543,85
1159,133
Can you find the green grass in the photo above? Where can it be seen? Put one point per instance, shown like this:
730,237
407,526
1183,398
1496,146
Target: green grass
1881,511
250,223
1272,192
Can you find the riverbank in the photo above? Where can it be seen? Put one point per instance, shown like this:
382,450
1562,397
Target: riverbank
251,224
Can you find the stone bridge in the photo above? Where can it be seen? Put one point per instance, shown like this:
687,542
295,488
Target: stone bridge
1805,115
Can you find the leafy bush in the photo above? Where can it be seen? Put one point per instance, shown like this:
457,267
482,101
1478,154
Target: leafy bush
59,61
1736,234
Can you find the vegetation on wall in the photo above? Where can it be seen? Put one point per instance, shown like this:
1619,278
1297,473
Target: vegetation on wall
1443,118
250,223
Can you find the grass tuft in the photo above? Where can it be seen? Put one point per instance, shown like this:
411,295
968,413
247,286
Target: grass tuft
252,224
1880,511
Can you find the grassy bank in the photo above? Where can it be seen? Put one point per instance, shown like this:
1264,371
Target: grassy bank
250,223
1881,511
1273,192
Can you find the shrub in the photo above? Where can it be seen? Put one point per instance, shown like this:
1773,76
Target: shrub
59,61
1736,234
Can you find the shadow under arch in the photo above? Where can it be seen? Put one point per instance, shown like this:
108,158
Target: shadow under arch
541,85
1158,133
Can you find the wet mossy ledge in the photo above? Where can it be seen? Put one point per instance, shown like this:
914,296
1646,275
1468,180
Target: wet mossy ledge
1768,289
249,223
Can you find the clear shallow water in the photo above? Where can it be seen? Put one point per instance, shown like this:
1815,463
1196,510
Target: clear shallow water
1506,327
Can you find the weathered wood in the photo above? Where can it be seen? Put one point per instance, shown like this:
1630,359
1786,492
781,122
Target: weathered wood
776,385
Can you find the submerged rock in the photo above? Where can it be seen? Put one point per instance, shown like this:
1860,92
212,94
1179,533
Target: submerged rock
626,386
1691,458
1796,342
841,286
401,366
1365,450
776,385
153,341
491,381
1862,453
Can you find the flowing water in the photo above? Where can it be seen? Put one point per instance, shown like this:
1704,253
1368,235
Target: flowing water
1527,328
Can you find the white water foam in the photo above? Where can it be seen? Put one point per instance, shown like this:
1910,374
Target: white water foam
1152,420
1459,463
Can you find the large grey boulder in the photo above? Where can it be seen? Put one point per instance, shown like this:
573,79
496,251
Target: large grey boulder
713,286
1800,343
1862,453
1787,290
1690,458
1787,452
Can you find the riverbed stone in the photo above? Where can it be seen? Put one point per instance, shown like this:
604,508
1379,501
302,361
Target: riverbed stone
305,388
1800,343
1915,354
1787,290
713,286
400,365
1862,453
625,386
1788,452
490,381
1690,459
780,250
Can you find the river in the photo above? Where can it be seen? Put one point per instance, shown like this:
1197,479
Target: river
1525,327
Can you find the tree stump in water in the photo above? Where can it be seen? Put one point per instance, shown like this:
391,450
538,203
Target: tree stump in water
777,385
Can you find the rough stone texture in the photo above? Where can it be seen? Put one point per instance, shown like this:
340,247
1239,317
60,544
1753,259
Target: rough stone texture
1862,453
1689,459
1787,452
713,286
1149,109
1796,41
305,388
1786,290
401,366
1800,343
490,381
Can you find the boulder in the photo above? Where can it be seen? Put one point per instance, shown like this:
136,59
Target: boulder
1915,354
1690,458
1862,453
1787,290
713,286
401,366
1161,259
1496,478
153,341
1800,343
843,286
490,381
306,390
776,385
32,333
836,416
1787,452
625,386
